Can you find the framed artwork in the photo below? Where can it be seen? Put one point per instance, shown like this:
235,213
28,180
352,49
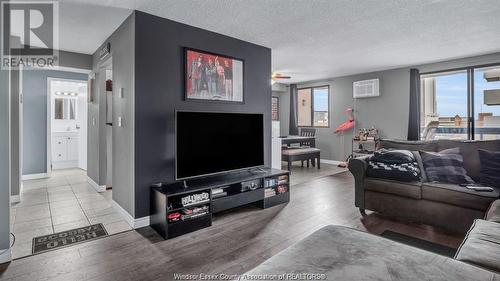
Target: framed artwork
275,109
213,77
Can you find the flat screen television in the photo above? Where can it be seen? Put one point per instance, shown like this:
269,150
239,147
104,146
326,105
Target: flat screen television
209,143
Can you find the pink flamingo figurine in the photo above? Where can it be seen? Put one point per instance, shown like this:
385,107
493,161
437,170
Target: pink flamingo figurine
349,124
346,126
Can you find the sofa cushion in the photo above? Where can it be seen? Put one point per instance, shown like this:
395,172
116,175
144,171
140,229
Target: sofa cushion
300,151
458,195
406,189
493,213
490,167
409,145
445,166
481,246
469,150
341,253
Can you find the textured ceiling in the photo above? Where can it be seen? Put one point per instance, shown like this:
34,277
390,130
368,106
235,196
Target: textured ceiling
312,39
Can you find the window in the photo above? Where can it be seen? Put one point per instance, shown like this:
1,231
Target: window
461,104
313,107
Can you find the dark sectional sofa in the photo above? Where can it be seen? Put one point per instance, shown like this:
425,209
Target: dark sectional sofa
445,205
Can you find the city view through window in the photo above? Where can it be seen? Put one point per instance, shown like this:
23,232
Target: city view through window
446,105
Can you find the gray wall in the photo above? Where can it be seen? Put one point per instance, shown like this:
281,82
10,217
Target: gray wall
15,183
15,163
35,117
388,113
123,66
159,88
75,60
96,137
4,161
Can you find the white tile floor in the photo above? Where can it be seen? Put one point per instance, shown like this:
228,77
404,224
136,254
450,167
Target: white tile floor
62,202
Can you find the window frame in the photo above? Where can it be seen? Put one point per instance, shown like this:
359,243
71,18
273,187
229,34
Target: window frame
470,70
312,106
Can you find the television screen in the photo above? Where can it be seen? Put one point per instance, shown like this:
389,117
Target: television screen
209,143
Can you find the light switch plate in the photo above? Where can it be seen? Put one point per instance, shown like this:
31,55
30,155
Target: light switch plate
93,121
119,121
122,95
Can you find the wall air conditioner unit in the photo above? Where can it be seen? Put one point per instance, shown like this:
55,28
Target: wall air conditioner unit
492,75
279,87
365,89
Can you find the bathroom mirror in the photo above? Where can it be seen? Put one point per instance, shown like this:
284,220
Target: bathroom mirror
65,108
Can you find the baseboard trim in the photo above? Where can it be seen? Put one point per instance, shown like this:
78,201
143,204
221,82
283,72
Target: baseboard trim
332,162
64,165
5,256
15,199
98,188
34,176
134,223
141,222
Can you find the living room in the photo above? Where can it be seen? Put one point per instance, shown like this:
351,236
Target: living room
227,133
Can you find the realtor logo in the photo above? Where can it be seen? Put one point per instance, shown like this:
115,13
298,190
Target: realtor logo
30,38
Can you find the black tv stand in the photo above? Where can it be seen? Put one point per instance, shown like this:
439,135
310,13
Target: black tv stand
258,170
177,208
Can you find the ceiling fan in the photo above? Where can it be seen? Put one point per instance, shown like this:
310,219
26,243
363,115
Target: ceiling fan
278,76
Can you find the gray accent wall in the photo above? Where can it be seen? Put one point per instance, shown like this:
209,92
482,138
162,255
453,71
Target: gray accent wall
388,113
123,140
4,160
159,91
35,117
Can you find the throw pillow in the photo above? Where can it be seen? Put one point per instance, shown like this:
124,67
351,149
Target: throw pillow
490,167
445,166
393,156
397,171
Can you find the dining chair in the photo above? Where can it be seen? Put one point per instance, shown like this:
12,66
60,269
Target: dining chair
307,132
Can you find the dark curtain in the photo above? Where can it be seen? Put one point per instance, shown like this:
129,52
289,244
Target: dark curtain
414,120
293,128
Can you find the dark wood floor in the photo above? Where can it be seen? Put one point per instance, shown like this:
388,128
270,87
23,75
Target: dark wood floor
238,241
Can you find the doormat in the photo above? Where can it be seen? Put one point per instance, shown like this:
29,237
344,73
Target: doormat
419,243
67,238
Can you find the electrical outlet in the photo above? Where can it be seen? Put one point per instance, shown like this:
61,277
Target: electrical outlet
93,121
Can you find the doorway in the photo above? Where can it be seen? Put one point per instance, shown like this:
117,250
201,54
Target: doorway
63,200
66,124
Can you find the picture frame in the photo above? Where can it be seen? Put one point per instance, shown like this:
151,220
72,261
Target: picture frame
213,77
275,108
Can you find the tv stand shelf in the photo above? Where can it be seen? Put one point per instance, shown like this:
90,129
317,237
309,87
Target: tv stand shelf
173,204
